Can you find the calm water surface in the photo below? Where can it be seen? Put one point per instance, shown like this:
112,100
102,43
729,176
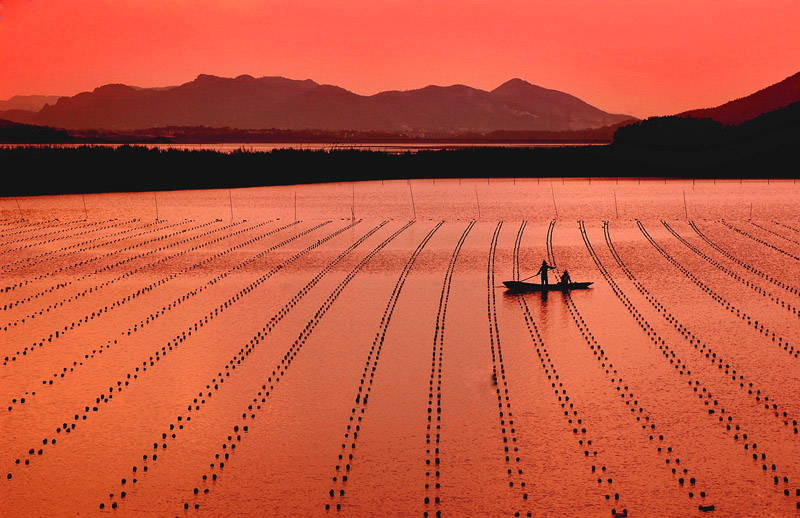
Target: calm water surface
340,349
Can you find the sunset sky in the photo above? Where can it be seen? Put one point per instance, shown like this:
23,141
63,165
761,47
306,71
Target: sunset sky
639,57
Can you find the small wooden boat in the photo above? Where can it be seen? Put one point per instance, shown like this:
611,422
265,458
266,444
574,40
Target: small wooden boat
519,286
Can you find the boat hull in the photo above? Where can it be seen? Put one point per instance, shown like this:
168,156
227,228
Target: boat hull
518,286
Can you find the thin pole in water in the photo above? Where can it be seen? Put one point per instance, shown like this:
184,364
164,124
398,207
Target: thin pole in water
477,201
155,197
85,212
554,200
685,210
751,210
19,209
295,205
353,204
616,210
230,201
413,206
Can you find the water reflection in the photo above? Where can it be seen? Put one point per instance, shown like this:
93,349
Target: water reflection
238,355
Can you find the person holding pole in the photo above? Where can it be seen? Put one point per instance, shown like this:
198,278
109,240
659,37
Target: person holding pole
543,271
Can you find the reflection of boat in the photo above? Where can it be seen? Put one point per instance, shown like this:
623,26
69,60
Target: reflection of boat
520,286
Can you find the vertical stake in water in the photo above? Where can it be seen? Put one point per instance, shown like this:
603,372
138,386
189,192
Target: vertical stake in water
353,204
155,197
85,212
616,209
295,205
751,210
413,207
477,201
685,210
554,199
19,209
230,201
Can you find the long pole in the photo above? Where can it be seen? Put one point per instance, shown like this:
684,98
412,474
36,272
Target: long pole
353,204
751,210
19,209
554,199
413,207
85,212
616,210
477,201
295,205
155,197
685,210
230,201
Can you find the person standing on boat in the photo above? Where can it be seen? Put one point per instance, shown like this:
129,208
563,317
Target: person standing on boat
565,278
543,271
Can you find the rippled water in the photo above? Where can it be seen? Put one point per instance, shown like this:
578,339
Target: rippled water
351,354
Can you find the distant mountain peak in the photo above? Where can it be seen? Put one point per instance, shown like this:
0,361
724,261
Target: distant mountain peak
514,82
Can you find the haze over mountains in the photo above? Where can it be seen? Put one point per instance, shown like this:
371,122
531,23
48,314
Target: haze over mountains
28,102
277,102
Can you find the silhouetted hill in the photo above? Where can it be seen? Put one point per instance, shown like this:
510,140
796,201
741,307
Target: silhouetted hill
555,108
677,140
20,116
276,102
741,110
16,133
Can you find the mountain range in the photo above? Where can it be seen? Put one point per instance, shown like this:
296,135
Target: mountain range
277,102
265,103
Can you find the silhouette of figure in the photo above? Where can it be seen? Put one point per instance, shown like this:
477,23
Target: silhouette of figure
543,271
565,278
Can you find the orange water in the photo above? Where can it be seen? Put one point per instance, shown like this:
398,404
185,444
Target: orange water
296,321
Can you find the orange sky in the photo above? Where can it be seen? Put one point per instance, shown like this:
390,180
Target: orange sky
640,57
